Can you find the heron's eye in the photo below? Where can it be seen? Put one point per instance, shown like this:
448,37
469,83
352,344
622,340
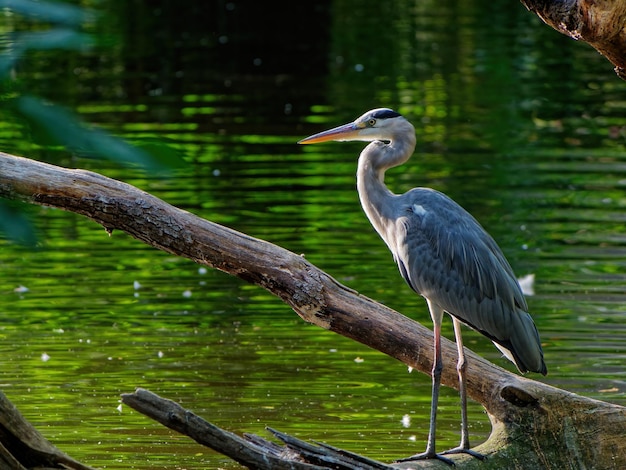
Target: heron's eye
371,122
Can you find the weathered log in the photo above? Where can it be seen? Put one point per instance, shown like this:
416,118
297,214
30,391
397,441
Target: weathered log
251,450
601,23
534,425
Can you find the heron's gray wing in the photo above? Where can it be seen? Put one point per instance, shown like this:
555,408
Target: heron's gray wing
446,256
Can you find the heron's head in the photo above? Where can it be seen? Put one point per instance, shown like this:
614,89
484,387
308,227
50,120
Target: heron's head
377,124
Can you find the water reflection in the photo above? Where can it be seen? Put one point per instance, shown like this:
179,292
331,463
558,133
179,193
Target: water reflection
519,125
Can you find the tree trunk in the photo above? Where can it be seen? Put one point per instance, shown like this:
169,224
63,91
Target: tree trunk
534,425
601,23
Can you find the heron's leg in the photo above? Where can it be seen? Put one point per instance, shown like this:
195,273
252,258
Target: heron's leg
436,313
464,446
460,368
436,376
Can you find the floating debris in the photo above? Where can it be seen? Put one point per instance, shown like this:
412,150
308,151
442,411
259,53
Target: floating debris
527,283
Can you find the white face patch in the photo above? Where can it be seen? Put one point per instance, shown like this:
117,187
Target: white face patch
418,209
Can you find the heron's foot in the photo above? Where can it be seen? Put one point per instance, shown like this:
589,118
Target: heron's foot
426,456
464,450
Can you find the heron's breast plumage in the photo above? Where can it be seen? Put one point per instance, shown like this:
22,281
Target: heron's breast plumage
446,256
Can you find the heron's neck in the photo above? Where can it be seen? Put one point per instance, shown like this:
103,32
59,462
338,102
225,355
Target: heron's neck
375,159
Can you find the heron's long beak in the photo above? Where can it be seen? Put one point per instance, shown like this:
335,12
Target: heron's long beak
345,132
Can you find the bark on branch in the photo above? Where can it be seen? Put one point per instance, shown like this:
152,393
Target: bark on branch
601,23
250,450
534,425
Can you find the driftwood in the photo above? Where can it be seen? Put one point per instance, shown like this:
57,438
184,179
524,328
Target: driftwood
534,425
251,450
601,23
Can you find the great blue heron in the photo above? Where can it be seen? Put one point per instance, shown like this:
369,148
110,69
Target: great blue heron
443,254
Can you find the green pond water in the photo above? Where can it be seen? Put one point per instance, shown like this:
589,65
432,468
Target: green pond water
520,125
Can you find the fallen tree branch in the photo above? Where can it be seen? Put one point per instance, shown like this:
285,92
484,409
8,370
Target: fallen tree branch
534,425
602,24
251,451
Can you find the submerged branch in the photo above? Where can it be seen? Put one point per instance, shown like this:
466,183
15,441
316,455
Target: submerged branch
534,425
251,451
22,447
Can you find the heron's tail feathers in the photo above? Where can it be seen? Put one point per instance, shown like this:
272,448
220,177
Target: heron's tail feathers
524,346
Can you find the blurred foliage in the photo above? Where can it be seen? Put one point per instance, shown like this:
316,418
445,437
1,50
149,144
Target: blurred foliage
15,224
59,26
